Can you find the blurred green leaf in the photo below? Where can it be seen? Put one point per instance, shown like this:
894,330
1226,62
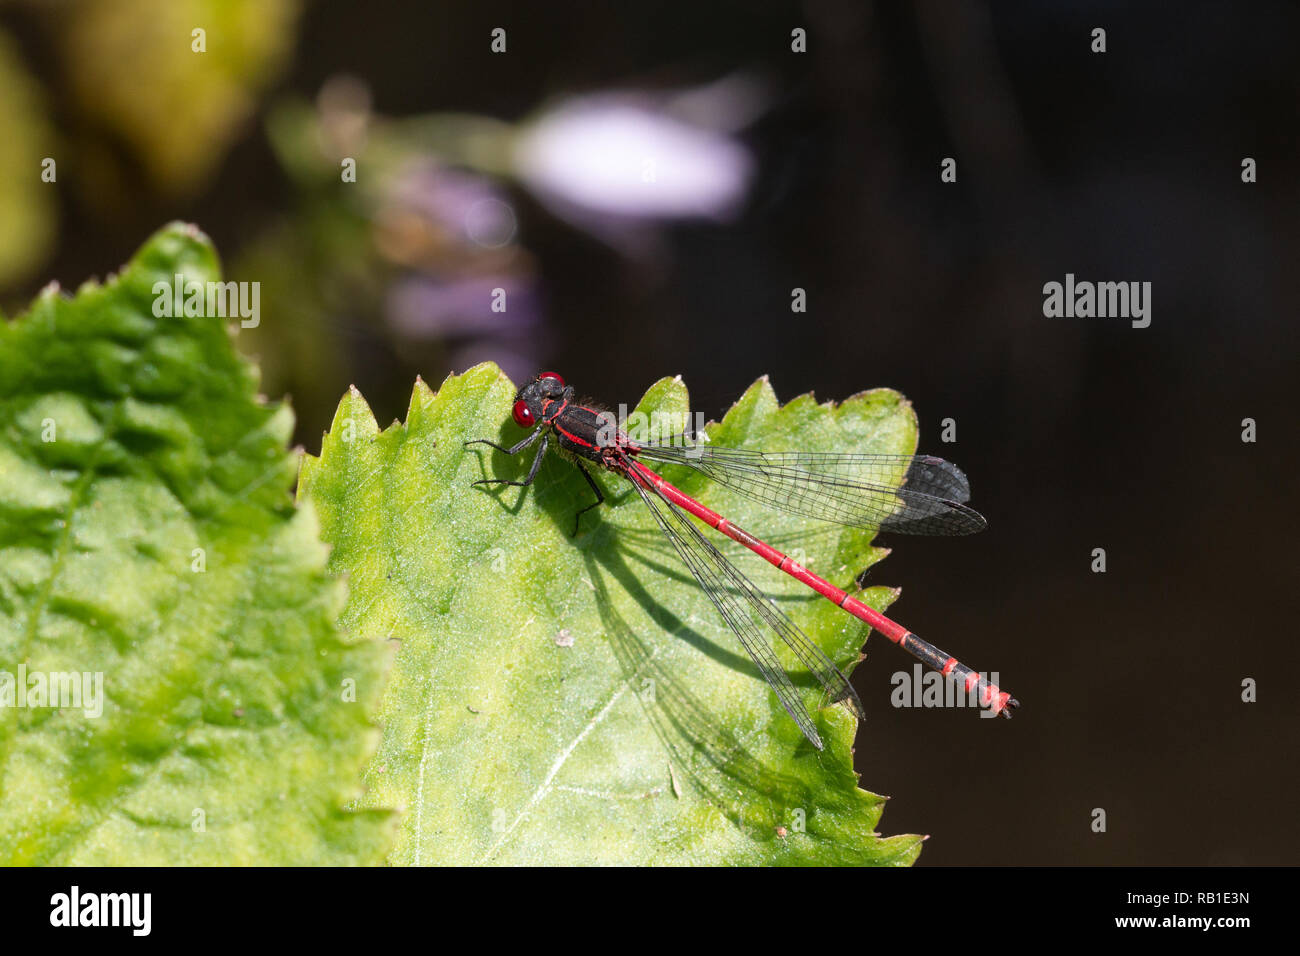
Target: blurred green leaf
132,65
27,204
567,700
316,268
147,532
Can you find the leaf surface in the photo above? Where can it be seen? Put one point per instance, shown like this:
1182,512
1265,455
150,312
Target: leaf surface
149,541
561,700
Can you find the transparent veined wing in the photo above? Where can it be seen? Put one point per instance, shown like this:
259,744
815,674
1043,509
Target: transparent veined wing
907,494
752,617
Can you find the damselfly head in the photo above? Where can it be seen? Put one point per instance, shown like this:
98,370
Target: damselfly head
531,399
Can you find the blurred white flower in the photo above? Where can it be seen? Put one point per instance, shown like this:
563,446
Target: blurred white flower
627,157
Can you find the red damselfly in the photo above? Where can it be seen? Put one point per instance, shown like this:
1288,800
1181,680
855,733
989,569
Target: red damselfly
909,494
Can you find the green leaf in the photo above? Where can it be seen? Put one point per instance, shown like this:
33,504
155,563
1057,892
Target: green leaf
147,534
578,700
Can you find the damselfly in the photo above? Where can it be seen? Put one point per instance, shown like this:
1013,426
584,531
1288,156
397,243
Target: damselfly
909,494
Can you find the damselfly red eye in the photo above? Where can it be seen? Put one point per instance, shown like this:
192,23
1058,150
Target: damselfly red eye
554,375
524,414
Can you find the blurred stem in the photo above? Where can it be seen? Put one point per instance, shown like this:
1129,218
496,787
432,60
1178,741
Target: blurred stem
462,139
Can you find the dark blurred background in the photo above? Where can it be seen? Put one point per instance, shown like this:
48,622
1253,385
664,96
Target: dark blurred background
648,183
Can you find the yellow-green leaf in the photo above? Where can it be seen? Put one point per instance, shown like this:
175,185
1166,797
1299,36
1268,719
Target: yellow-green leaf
152,559
560,700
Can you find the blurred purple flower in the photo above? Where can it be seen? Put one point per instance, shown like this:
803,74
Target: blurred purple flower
455,234
425,308
468,207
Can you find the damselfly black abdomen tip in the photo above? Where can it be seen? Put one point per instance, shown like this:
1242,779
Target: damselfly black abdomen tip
1008,707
